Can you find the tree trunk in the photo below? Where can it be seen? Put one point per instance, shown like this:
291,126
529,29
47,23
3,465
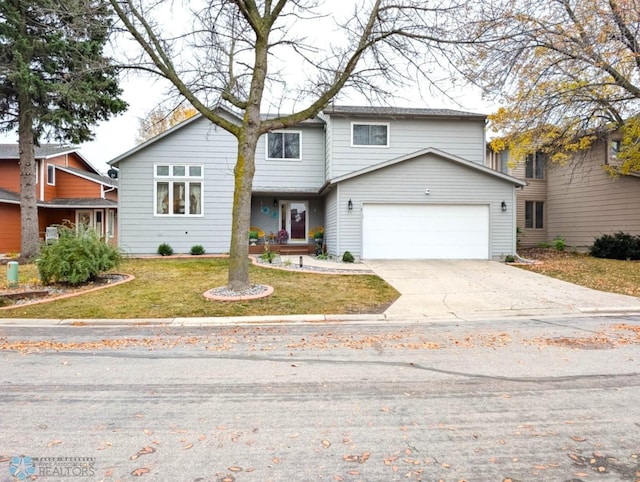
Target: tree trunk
238,279
29,229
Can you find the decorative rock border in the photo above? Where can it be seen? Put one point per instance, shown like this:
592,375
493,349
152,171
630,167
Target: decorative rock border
224,294
126,278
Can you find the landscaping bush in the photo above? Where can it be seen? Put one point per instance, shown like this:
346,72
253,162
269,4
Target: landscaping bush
165,250
559,243
197,250
619,246
347,257
77,257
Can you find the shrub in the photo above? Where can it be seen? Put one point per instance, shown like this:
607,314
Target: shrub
197,250
347,257
78,256
165,250
509,258
267,254
619,246
559,243
543,244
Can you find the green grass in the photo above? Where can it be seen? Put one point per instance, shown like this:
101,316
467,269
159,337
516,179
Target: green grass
167,288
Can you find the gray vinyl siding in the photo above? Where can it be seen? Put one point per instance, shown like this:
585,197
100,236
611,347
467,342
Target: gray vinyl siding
328,148
448,182
304,175
331,222
586,202
535,190
462,138
140,231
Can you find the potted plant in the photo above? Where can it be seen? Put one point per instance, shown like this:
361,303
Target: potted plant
253,237
282,236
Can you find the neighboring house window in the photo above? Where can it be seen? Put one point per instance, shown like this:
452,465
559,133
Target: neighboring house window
283,145
615,148
111,221
372,135
534,166
534,214
51,174
504,162
178,189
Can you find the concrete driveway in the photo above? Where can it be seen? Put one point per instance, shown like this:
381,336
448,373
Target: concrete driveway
453,289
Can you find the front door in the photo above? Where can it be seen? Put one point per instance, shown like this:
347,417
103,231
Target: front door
293,218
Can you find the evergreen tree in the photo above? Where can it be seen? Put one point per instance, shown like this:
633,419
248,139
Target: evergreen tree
55,83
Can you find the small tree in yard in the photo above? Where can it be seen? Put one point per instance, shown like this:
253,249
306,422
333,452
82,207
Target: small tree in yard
77,257
55,83
259,56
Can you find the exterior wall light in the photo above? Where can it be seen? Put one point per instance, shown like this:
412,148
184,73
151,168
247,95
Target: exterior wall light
503,206
350,205
275,203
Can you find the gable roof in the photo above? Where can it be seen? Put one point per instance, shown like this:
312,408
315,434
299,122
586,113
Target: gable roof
398,112
44,151
422,152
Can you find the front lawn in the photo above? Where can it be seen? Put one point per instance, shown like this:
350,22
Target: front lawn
168,288
611,275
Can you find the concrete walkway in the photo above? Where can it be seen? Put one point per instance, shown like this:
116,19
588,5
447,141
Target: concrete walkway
452,289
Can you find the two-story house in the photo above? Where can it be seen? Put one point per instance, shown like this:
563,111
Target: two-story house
384,183
578,201
68,188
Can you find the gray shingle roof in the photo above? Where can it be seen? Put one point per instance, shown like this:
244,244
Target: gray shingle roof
79,203
349,110
10,151
6,195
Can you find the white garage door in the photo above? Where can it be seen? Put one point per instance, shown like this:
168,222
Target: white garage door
409,231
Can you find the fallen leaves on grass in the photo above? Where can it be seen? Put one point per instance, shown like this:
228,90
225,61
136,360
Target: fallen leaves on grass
610,275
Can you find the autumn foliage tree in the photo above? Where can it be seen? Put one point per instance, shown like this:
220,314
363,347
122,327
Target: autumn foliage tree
287,58
55,83
161,119
566,72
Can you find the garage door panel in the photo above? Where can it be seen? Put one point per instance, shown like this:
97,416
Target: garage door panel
401,231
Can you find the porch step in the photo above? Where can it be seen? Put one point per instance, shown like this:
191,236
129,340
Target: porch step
285,248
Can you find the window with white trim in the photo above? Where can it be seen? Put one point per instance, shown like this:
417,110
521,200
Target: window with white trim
51,174
370,135
284,145
178,189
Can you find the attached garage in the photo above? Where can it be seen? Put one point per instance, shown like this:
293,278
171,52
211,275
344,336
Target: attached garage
419,231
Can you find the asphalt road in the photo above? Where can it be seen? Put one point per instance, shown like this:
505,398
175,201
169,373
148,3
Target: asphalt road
553,399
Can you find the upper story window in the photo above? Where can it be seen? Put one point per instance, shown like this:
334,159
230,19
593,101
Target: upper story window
51,174
615,148
283,145
534,166
370,134
178,189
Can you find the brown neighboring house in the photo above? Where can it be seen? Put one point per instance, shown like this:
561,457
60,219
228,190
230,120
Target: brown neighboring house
578,201
68,188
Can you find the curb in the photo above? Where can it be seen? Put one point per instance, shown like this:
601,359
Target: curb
284,320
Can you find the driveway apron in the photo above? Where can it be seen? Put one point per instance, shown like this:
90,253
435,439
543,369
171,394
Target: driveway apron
474,289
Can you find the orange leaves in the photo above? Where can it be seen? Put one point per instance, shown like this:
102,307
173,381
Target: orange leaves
140,471
144,451
362,458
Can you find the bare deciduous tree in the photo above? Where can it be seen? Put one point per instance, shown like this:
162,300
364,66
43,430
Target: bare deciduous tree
264,57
